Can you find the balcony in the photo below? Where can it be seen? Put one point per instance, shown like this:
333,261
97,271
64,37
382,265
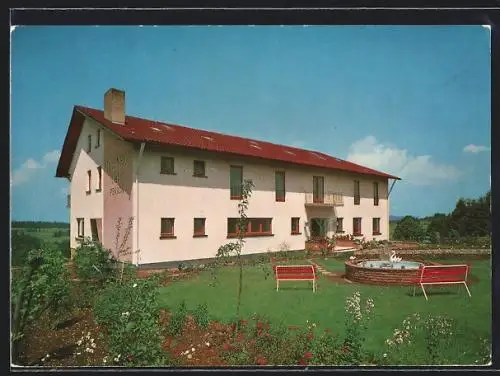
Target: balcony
327,200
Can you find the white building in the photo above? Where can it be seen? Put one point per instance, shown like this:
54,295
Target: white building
175,189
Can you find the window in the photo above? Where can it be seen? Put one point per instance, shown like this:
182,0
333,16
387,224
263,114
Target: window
376,226
93,230
199,169
280,185
375,193
356,226
199,227
89,181
236,182
318,189
340,225
356,192
89,143
167,166
98,139
295,226
255,227
99,179
80,223
167,228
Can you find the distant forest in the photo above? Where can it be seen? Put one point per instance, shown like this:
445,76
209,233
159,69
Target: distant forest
39,224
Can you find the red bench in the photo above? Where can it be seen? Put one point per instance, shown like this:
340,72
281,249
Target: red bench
295,273
441,275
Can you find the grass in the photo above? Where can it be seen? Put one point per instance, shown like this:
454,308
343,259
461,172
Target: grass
46,235
295,302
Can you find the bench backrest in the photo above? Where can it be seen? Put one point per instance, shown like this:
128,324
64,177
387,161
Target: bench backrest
298,271
443,273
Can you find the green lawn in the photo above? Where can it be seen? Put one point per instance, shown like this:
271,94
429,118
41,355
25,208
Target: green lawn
295,302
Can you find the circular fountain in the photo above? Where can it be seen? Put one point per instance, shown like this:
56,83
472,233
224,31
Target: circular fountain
382,272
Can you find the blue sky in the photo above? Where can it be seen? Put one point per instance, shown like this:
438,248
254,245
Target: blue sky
413,101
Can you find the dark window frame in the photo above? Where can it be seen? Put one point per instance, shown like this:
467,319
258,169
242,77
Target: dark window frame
202,174
295,225
357,192
357,230
80,227
201,232
280,193
376,226
235,188
168,169
167,234
255,227
340,225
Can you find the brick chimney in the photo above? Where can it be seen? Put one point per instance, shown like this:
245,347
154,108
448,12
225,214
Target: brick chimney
114,106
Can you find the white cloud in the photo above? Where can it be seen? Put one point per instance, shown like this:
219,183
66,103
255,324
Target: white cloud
418,170
52,156
30,166
471,148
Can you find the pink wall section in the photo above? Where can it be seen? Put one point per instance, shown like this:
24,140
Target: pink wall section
118,201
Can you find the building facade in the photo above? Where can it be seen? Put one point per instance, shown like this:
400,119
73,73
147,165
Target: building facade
162,199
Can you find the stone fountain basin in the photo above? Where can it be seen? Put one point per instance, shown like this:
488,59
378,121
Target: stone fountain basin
380,272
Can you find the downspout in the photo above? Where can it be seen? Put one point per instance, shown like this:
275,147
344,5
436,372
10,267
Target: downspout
137,168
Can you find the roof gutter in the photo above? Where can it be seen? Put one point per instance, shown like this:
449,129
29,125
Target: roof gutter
135,257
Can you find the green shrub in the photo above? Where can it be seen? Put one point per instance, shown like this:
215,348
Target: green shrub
409,228
43,285
21,244
94,262
177,320
200,315
129,313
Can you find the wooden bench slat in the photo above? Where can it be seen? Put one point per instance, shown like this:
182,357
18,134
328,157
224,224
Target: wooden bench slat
295,273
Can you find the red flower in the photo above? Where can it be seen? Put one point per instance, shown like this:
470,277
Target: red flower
261,361
130,357
308,355
303,362
310,336
227,346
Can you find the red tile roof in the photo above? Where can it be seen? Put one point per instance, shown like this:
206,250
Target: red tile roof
139,130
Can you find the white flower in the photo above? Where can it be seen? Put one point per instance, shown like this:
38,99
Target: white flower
190,356
125,313
135,285
385,355
79,342
193,349
207,343
93,345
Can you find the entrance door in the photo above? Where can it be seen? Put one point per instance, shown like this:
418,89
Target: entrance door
318,189
319,227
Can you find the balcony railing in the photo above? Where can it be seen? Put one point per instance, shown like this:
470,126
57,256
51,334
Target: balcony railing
328,199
